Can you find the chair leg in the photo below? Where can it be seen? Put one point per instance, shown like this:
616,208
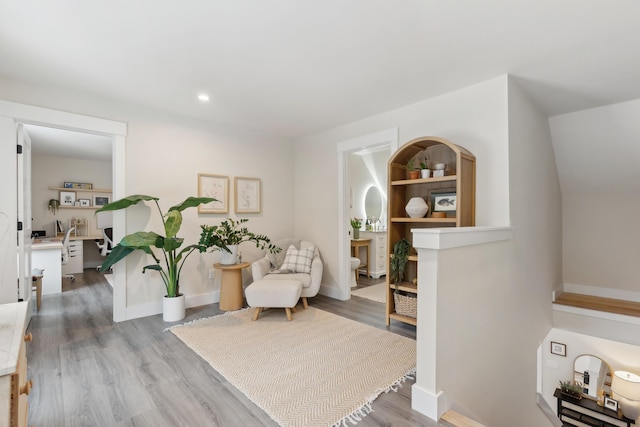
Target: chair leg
288,310
256,313
304,302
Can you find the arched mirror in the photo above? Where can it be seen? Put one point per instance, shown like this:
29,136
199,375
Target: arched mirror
593,373
373,203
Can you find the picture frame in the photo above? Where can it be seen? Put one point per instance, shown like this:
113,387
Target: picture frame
444,202
67,198
84,202
78,185
610,403
248,195
216,186
558,349
101,200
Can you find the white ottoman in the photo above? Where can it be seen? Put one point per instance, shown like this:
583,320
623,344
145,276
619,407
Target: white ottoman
273,294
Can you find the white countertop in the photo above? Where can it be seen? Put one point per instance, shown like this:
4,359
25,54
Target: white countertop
12,318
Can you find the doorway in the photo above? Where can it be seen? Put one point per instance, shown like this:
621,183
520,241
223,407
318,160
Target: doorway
383,141
76,164
13,114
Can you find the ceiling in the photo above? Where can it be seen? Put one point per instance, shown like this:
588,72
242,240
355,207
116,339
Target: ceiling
293,67
64,143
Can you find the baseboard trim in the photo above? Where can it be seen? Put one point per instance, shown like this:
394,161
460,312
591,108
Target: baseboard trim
427,403
332,292
153,308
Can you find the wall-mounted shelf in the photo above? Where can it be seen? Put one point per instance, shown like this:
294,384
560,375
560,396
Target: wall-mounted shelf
81,190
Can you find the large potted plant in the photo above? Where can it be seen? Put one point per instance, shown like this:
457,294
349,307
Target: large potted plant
228,235
167,251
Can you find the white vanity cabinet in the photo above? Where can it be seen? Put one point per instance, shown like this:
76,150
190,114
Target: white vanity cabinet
377,252
14,386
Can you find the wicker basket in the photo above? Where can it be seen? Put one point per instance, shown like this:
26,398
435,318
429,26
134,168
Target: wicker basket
406,305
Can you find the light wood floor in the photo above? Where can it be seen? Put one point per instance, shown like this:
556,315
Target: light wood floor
89,371
609,305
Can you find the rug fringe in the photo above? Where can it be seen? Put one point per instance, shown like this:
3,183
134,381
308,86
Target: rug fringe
204,318
366,409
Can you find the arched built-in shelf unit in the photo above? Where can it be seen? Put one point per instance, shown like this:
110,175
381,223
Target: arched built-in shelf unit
459,179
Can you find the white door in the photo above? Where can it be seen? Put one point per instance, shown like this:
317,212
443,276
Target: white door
24,215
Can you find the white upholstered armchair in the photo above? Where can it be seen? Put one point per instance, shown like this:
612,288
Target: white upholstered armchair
279,267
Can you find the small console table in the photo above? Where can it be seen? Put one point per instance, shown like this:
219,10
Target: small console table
356,244
586,412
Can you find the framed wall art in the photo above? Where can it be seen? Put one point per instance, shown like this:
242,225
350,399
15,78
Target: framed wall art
100,200
247,195
67,198
444,202
216,186
84,202
558,348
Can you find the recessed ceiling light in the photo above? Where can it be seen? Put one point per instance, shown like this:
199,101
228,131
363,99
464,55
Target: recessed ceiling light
203,97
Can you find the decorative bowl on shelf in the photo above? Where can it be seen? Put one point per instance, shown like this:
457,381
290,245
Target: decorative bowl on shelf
417,207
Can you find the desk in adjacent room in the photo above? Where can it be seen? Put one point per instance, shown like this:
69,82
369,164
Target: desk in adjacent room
47,255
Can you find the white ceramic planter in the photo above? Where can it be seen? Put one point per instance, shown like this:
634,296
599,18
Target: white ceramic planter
173,308
417,207
227,258
425,173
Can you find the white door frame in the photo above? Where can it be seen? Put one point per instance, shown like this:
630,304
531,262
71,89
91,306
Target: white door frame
117,131
384,137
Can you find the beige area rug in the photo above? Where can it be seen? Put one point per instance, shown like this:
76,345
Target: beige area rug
317,370
374,292
109,279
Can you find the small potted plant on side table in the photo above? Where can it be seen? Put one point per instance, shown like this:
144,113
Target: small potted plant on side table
356,223
228,235
571,388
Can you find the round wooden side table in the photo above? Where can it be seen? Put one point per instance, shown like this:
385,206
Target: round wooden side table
231,286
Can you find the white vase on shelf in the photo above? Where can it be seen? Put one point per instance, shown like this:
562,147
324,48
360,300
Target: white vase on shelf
417,207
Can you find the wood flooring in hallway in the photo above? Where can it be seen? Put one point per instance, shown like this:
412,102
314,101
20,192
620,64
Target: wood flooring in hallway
89,371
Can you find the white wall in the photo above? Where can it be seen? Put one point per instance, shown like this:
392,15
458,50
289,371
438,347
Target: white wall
600,241
473,117
535,206
49,171
164,154
597,156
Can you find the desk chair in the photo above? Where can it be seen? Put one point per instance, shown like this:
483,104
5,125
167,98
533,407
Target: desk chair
65,251
107,243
